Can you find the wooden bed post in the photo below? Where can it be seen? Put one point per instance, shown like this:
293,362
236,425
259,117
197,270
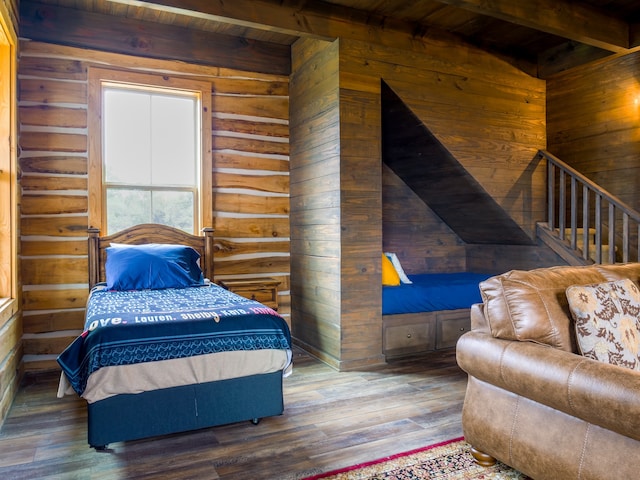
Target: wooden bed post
207,268
94,256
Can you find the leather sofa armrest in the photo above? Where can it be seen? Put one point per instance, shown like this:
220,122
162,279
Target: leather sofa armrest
478,320
596,392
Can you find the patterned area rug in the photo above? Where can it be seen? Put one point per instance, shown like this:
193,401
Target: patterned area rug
449,460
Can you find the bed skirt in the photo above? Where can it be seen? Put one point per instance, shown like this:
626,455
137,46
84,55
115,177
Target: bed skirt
178,409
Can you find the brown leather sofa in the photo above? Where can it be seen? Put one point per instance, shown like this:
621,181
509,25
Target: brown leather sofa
532,401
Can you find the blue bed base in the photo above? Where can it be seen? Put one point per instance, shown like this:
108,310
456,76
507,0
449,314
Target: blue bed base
159,412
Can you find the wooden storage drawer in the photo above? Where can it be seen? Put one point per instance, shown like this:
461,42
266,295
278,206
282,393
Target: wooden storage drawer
408,334
262,295
263,290
450,326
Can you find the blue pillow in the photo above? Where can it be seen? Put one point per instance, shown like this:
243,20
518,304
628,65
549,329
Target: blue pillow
152,266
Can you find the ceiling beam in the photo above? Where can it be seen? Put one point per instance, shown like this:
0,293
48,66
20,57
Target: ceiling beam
566,56
563,18
302,18
634,35
77,28
244,13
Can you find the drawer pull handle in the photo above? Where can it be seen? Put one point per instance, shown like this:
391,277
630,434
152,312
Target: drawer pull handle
408,335
462,329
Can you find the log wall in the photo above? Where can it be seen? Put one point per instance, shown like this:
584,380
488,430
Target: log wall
593,123
10,10
10,312
250,183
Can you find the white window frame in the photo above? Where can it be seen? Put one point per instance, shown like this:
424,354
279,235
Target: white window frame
8,168
97,78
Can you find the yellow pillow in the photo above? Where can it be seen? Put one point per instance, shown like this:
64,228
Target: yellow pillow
389,274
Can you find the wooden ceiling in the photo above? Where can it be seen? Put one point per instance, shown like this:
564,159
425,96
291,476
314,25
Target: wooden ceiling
539,36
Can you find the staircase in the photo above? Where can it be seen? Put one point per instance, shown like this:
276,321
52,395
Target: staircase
605,251
585,223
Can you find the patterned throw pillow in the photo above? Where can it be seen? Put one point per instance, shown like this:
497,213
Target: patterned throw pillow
607,321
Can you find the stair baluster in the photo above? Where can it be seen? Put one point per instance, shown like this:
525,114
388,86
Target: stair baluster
586,236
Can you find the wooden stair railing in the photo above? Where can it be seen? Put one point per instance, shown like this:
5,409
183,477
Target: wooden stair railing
576,206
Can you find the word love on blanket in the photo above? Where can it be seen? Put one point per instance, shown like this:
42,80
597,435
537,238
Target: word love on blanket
151,318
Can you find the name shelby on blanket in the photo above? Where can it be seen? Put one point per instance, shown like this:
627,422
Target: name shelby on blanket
104,322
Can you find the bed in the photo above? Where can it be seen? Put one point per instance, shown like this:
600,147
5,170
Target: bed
430,292
425,312
163,349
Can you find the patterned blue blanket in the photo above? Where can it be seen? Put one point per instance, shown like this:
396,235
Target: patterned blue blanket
128,327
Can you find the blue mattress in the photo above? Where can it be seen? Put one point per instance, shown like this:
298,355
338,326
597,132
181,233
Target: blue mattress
431,292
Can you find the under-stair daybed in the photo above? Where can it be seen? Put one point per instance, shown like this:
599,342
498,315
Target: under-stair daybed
425,312
163,349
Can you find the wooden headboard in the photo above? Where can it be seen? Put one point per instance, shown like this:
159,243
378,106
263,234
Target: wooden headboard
148,233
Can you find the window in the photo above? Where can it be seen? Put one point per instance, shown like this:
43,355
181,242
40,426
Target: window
8,180
150,156
150,160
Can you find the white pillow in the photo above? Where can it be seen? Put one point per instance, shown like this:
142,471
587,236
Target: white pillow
396,264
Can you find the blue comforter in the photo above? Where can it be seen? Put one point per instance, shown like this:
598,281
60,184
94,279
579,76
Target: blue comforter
432,292
127,327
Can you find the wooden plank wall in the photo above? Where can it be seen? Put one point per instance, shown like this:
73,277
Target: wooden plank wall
593,123
425,244
11,316
250,183
361,209
422,241
316,287
490,115
11,7
11,353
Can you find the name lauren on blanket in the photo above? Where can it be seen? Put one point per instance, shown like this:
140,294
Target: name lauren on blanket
104,322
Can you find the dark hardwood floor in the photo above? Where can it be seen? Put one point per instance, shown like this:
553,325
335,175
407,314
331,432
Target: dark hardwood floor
331,420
